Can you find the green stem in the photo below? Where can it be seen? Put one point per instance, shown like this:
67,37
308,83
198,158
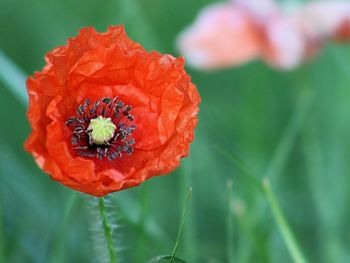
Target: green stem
229,222
242,166
287,141
281,221
182,224
107,230
331,246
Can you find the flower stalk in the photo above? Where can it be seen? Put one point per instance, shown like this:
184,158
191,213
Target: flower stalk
107,231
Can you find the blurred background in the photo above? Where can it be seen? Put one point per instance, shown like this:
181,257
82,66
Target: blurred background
291,126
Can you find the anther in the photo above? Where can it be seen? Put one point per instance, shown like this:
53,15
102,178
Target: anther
101,129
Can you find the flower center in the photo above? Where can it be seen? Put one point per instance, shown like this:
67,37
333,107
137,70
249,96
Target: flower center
102,129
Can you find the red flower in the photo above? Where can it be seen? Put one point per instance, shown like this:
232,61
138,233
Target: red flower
107,115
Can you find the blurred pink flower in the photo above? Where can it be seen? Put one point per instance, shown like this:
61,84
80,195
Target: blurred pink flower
260,10
284,47
235,32
223,35
320,21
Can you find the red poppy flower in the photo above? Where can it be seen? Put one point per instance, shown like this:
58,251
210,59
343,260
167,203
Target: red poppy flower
107,115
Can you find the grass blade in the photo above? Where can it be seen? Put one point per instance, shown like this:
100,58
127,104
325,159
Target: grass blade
331,242
159,259
242,166
58,247
190,246
2,237
182,224
229,222
14,78
283,226
288,138
2,222
155,234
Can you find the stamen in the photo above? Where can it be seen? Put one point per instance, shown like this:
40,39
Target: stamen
101,129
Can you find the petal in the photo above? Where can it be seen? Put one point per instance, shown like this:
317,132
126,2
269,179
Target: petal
75,169
63,58
261,11
323,19
285,46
